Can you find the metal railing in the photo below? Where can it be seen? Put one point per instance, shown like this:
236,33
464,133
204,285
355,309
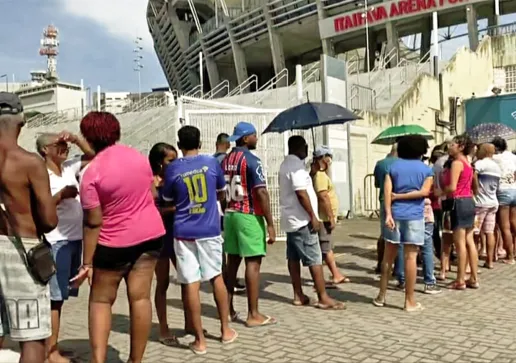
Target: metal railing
371,197
386,59
195,92
218,90
354,66
245,85
362,98
272,83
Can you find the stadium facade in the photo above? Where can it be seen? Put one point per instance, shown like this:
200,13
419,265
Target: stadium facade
252,41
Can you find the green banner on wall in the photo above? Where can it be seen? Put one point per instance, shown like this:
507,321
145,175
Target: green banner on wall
498,109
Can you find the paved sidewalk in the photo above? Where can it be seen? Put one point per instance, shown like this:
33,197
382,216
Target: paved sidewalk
457,326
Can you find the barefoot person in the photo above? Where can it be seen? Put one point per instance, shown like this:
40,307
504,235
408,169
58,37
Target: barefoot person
29,212
160,155
328,209
194,183
299,219
66,239
245,230
488,174
122,234
404,218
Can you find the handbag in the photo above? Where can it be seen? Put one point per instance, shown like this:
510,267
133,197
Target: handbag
39,259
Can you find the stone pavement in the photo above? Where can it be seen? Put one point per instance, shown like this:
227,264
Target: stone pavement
456,326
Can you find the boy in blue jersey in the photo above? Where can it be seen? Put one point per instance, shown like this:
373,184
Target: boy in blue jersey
194,183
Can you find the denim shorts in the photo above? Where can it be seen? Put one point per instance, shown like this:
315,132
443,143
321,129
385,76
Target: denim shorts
68,258
302,245
506,197
410,232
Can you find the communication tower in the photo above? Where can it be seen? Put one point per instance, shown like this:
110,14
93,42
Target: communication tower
50,49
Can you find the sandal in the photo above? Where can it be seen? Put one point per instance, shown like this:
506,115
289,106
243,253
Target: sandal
378,303
169,341
306,301
455,285
413,309
336,306
472,285
488,266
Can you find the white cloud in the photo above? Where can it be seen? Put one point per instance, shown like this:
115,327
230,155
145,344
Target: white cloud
124,19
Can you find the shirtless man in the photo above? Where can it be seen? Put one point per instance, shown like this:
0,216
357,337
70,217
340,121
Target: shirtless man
25,192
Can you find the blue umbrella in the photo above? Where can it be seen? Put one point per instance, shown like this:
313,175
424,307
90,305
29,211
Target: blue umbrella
487,132
309,115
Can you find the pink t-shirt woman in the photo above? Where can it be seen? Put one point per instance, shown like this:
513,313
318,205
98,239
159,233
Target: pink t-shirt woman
119,180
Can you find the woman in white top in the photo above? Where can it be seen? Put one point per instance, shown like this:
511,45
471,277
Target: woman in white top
506,195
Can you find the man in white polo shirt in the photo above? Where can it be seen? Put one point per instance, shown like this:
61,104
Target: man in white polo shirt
66,238
299,219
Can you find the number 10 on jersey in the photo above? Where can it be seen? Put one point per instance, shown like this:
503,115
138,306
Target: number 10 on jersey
197,192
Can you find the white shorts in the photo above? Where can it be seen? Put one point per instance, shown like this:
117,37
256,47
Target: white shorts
24,303
198,260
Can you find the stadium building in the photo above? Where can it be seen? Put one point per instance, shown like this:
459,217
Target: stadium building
249,42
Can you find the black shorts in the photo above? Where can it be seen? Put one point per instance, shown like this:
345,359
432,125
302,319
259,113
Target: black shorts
111,258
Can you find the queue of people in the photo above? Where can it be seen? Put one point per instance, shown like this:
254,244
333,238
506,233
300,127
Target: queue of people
462,202
98,220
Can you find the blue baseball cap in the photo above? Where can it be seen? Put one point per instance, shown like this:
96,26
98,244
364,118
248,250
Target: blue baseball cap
322,151
242,129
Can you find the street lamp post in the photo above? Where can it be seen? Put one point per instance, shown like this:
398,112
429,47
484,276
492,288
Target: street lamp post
365,16
138,64
6,81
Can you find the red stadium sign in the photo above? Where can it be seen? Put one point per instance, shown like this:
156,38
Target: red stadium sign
383,12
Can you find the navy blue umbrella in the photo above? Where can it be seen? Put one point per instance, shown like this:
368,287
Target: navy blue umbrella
487,132
309,115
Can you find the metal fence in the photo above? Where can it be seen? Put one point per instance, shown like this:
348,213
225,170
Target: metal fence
371,197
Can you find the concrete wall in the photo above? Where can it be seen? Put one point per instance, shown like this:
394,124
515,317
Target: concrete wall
70,99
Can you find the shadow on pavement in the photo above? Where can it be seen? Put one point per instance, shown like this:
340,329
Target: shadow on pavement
82,351
355,251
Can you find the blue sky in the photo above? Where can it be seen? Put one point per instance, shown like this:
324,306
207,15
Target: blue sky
96,39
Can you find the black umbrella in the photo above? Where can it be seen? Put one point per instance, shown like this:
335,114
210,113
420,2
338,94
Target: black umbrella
487,132
309,115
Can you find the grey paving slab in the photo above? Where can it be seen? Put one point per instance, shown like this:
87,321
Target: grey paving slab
456,326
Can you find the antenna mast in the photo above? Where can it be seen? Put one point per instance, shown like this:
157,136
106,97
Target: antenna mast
50,49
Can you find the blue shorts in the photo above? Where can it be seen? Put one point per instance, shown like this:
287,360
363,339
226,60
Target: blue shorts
406,232
302,245
68,257
506,197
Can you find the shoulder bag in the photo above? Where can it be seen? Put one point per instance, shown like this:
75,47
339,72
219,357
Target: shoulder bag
39,259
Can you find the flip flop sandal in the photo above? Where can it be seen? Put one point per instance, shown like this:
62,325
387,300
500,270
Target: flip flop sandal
337,306
197,351
508,262
169,341
344,280
489,267
378,303
267,322
232,340
441,278
456,286
305,302
414,309
472,285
